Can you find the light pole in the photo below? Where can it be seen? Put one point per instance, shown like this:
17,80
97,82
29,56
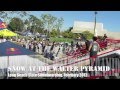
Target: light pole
95,23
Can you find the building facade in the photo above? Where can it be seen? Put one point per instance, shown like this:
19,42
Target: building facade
80,26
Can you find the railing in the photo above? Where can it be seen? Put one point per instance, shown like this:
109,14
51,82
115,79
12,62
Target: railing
113,63
74,63
114,44
74,60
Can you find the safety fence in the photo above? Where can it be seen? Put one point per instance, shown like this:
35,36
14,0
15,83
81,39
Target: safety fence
76,61
113,44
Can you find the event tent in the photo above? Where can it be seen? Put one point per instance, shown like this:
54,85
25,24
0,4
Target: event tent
12,54
9,49
6,32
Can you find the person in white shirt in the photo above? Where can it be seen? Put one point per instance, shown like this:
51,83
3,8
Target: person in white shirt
11,39
39,48
0,40
60,53
4,40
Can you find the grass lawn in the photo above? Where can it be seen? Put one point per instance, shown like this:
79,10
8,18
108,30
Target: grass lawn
56,39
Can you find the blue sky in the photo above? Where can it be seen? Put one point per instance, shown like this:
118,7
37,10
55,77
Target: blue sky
110,19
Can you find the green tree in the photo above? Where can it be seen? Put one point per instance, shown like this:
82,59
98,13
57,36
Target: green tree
87,34
69,34
58,26
65,34
35,24
53,33
26,24
70,28
16,24
7,15
48,22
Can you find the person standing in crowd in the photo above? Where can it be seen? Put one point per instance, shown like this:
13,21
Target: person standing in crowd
72,45
34,47
11,39
52,46
0,39
87,44
30,46
77,45
52,51
4,39
93,49
24,45
60,54
58,50
45,53
18,40
66,48
48,50
104,37
105,41
63,50
27,44
43,47
40,47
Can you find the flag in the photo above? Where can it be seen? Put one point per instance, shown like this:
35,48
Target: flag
2,24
